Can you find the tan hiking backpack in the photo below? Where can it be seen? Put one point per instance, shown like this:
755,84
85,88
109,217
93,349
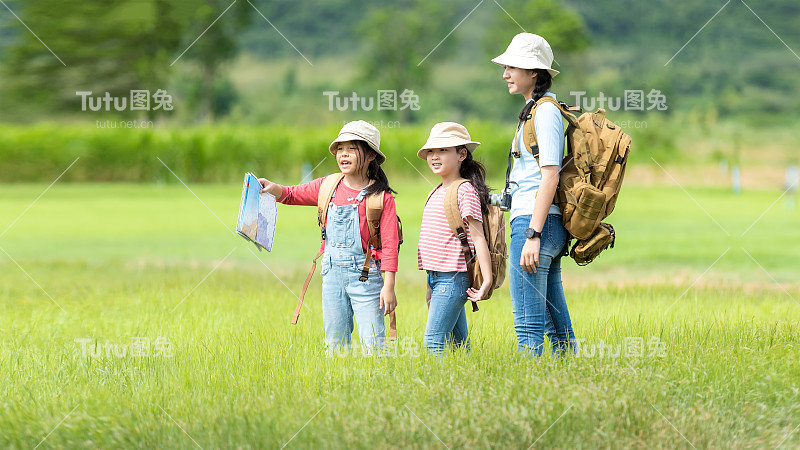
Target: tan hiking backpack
374,209
494,230
591,176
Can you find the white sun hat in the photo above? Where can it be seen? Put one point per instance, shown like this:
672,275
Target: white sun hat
448,134
360,131
528,51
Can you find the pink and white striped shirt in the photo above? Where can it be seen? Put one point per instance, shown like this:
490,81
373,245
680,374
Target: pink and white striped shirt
439,249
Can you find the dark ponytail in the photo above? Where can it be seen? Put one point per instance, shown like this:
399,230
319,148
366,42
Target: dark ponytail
543,82
474,171
375,172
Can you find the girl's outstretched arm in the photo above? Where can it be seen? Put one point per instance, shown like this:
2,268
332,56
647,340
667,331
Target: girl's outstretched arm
484,259
300,194
273,188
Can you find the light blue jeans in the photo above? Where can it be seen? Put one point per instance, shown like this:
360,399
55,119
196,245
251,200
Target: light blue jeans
537,299
447,317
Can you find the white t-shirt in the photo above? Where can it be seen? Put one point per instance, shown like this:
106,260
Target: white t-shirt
525,171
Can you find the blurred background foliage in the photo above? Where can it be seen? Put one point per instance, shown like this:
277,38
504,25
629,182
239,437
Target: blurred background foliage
241,88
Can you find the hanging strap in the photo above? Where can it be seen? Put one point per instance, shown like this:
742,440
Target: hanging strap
326,191
305,287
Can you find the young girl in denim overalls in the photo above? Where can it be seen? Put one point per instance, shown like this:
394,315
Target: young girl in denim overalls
344,295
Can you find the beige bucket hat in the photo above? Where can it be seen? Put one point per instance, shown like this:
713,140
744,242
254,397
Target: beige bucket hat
448,134
360,131
528,51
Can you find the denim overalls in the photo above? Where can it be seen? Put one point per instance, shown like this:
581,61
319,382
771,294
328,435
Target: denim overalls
343,295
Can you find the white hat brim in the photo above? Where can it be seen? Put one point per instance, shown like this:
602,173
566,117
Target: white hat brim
523,63
444,142
350,136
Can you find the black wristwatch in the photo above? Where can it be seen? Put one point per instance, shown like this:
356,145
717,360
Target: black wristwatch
530,233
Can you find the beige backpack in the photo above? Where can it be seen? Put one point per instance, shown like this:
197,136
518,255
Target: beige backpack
591,176
374,211
494,231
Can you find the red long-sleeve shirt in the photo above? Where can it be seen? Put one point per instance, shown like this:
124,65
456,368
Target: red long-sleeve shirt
307,194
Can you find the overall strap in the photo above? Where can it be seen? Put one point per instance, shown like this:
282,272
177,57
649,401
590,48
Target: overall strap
326,191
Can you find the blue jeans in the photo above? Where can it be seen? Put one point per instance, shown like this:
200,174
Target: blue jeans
447,318
538,298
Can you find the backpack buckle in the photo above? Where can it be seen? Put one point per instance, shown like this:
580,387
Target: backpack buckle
364,275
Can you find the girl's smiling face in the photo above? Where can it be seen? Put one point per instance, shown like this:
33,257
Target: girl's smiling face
445,161
520,81
351,158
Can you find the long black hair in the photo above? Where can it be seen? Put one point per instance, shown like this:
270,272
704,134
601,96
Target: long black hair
473,170
374,170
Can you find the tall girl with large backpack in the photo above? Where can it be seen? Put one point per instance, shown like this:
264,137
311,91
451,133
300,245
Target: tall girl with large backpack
441,254
353,255
538,237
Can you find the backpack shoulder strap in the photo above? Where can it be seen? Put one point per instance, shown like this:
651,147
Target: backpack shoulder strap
529,128
451,207
323,200
457,225
431,192
374,211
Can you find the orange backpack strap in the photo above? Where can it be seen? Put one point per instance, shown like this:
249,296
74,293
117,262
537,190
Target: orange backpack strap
374,212
323,200
529,129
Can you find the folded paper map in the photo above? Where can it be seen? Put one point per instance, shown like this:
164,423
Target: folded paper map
258,214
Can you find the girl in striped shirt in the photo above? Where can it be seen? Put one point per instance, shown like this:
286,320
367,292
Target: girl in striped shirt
448,152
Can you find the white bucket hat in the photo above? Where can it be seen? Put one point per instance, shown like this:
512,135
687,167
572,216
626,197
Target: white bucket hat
448,134
528,51
360,131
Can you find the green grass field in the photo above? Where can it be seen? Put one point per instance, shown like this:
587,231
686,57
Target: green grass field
715,315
